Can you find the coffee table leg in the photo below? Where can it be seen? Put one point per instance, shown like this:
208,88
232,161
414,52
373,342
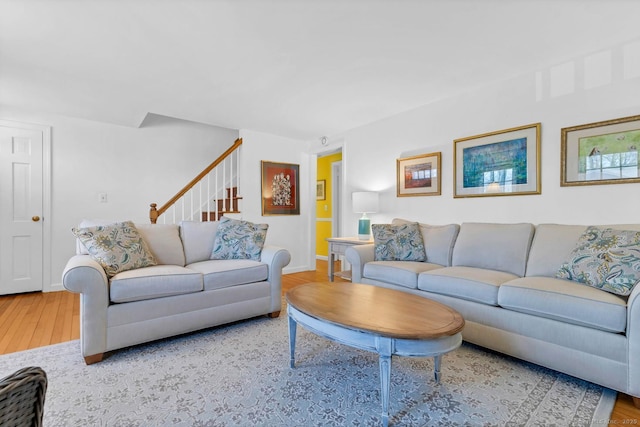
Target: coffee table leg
292,342
384,347
437,360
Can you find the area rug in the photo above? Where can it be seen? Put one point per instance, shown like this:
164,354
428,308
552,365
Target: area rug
239,375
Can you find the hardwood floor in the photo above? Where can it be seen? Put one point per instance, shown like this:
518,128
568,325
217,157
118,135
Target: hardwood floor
39,319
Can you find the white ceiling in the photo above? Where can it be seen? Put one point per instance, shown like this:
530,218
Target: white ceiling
296,68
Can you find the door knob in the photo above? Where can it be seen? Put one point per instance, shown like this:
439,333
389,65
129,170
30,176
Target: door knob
35,218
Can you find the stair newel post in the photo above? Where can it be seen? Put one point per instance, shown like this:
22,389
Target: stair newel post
153,213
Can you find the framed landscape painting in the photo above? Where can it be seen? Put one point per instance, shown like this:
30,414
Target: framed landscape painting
601,153
502,163
280,188
419,175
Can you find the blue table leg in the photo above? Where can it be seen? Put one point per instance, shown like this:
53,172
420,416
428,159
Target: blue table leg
292,342
437,360
385,349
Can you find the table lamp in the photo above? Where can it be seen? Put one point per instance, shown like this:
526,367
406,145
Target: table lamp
364,202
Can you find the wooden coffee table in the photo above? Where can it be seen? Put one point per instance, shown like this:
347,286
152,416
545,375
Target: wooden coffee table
367,317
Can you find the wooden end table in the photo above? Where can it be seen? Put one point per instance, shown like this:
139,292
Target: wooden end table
337,247
372,318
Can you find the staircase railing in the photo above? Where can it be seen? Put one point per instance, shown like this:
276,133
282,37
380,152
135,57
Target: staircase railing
209,195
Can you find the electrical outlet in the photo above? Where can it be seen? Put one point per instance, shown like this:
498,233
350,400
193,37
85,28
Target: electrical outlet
102,197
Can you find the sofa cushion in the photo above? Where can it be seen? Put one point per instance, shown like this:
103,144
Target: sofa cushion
551,245
224,273
197,239
502,247
402,242
237,239
438,240
164,242
116,247
475,284
401,273
154,282
606,259
565,301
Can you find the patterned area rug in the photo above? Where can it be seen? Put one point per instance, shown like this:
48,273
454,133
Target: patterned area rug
239,375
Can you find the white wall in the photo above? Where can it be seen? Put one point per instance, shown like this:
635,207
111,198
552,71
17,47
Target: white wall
598,87
134,166
288,231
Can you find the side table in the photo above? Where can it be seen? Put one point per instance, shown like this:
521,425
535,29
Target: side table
337,247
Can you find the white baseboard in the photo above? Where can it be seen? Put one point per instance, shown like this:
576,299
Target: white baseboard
298,269
54,287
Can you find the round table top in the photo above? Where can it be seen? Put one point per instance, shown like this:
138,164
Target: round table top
382,311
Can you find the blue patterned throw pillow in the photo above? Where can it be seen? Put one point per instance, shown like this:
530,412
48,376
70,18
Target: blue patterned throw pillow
116,247
398,242
606,259
237,239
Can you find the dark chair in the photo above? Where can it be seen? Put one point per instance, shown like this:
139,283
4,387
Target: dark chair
22,398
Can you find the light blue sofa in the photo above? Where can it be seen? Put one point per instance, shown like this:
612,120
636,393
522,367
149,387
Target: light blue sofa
501,278
185,292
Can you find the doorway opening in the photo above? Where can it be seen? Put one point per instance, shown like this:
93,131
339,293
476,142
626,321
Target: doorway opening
328,207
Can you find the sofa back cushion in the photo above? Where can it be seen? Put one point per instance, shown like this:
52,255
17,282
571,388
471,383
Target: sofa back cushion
502,247
551,246
197,239
553,243
164,242
438,240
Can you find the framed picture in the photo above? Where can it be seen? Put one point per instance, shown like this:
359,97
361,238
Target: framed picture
502,163
280,188
419,175
601,153
321,189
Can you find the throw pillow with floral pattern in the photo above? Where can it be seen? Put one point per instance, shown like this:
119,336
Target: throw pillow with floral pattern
116,247
237,239
398,242
606,259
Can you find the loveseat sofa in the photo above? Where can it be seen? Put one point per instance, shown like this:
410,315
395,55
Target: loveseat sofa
502,279
185,290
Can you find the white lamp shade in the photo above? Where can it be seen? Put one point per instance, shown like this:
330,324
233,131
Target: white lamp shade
365,201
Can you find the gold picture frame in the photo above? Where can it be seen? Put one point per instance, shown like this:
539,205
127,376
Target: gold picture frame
501,163
601,153
321,189
419,175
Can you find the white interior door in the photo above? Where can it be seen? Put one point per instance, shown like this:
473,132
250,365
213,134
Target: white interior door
21,210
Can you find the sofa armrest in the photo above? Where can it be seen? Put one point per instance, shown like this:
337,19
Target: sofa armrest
276,258
358,256
633,337
85,276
